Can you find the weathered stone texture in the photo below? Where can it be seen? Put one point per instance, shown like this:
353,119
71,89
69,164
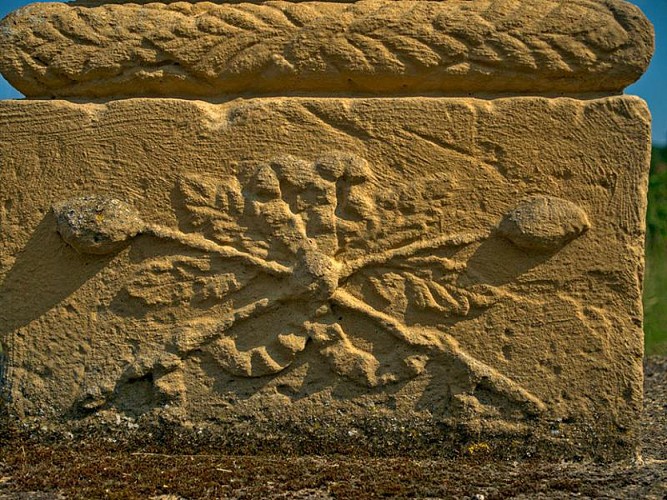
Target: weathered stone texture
468,263
205,49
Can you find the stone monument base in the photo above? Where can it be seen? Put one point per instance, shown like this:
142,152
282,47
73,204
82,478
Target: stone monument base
329,274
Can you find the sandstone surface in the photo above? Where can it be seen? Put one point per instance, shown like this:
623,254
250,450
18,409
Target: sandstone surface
296,267
372,46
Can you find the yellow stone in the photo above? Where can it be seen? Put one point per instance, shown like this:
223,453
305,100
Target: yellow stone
370,47
299,260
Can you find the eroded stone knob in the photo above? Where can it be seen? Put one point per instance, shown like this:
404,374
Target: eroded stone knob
96,224
544,223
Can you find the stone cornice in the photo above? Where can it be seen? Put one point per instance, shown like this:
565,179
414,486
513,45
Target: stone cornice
374,47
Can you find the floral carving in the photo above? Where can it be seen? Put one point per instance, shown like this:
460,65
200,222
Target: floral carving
291,253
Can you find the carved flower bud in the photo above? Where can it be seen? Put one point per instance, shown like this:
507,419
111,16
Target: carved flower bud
544,223
96,224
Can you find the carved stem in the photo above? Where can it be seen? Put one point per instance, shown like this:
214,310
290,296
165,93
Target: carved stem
201,335
349,268
200,243
483,374
345,299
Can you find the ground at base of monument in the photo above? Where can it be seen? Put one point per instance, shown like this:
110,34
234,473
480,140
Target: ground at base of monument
32,470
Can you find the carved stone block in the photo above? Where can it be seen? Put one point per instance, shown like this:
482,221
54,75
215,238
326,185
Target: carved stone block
355,273
372,46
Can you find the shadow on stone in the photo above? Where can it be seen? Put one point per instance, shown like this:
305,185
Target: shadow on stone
46,272
498,262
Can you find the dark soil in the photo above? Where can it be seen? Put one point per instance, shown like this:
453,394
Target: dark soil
105,470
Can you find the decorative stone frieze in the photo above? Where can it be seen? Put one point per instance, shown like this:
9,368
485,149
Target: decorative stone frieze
373,47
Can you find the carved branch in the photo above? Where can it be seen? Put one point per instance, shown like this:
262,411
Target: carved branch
451,240
444,344
198,242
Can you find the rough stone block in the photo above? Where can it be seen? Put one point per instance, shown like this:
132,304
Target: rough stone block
345,273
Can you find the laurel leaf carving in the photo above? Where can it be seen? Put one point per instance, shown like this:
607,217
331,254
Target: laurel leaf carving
375,46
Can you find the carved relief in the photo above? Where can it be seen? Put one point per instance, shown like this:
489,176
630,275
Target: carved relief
371,46
469,268
297,253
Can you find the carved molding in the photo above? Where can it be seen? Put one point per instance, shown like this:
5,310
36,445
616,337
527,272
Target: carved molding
399,47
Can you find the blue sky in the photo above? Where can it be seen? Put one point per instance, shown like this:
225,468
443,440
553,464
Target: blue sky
652,87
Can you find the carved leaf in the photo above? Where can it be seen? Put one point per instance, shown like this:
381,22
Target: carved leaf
408,293
371,366
178,280
210,199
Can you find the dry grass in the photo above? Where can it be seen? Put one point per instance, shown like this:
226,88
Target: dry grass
91,472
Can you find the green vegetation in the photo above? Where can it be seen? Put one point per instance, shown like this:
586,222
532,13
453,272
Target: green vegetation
655,292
